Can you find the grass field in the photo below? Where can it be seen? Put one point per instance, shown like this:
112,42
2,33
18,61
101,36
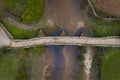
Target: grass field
30,11
12,4
15,64
111,65
18,33
16,6
100,28
10,65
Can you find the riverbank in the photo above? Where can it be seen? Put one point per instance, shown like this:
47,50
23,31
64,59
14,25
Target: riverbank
88,61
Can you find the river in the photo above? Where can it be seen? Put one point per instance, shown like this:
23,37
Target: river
68,15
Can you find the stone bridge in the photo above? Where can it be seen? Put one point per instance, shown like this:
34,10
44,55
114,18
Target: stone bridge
6,41
80,41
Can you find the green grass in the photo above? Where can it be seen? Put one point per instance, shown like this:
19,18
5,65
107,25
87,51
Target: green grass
30,11
16,6
33,11
18,33
2,10
101,28
9,65
12,3
15,64
111,65
35,62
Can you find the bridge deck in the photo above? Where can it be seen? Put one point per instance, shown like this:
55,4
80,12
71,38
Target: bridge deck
80,41
5,41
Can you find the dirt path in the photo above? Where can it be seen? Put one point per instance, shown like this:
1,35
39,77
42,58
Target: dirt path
18,24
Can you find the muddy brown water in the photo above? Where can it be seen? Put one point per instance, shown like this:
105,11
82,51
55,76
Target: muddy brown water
66,14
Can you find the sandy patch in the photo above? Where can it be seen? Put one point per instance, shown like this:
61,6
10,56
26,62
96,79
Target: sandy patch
88,61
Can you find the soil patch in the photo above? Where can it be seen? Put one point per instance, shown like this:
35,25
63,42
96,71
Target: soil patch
112,7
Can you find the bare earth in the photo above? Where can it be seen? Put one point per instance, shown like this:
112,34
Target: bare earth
108,6
15,23
88,61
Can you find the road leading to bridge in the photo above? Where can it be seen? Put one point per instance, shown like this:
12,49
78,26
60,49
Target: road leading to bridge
4,39
65,13
80,41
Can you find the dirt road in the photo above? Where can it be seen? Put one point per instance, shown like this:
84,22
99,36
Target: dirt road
4,39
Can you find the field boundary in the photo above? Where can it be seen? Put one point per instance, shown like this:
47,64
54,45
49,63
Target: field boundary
98,16
7,32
